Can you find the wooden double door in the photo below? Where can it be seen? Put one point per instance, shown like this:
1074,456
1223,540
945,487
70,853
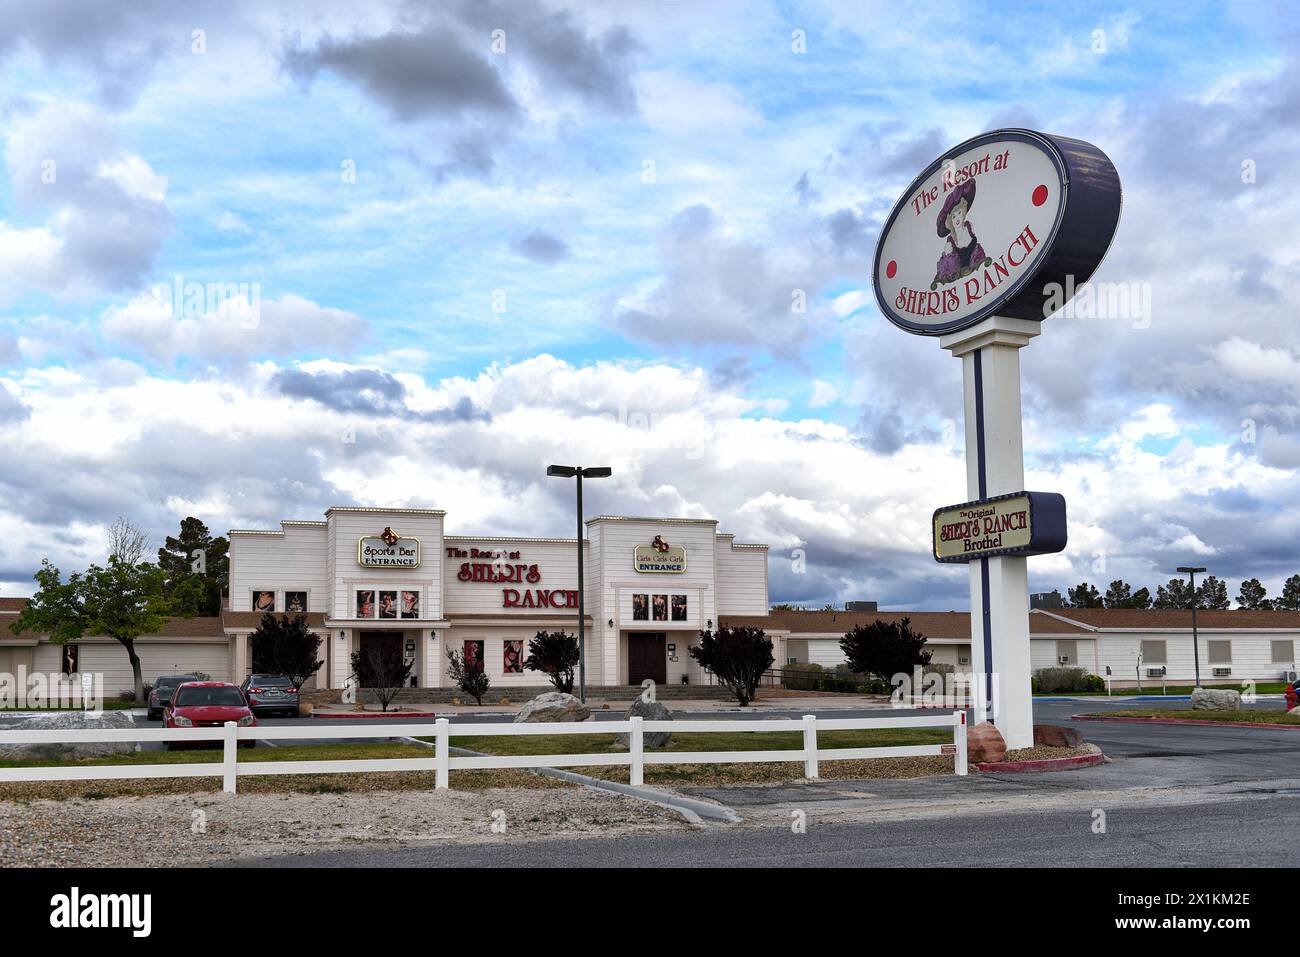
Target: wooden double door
647,657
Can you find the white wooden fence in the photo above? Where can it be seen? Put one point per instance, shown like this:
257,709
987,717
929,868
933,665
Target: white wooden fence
442,763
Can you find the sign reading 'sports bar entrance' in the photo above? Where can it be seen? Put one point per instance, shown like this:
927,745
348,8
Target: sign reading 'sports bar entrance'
1023,523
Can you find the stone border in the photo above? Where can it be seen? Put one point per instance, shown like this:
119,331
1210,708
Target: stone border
1045,764
1155,719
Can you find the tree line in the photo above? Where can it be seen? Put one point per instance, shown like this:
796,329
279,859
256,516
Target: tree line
128,595
1212,593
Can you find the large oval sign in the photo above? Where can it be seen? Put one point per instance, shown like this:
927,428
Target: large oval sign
997,225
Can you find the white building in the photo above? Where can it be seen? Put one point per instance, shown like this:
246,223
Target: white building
1234,646
651,586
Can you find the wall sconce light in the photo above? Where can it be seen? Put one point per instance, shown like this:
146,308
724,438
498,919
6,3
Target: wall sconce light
343,635
709,625
611,623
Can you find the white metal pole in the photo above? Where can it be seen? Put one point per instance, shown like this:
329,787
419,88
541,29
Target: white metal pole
810,769
636,742
442,754
959,739
229,756
999,586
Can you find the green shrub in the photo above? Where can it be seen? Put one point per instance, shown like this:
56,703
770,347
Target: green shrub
1065,680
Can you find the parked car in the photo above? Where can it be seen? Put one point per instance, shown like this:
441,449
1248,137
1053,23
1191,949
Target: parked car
207,704
162,693
267,693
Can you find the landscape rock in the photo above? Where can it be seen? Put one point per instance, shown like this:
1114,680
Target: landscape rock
1295,710
985,744
70,721
554,706
649,711
1216,699
1055,736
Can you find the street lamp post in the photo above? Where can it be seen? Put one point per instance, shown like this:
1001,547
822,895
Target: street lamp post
578,472
1196,644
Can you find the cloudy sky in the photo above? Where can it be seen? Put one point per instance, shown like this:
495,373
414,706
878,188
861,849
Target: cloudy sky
460,239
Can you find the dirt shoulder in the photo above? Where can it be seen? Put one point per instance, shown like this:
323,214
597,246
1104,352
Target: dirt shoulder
195,829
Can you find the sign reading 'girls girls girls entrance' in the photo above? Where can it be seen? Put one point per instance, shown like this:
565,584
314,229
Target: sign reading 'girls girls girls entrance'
990,226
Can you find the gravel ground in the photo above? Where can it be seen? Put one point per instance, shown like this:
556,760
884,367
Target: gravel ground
200,828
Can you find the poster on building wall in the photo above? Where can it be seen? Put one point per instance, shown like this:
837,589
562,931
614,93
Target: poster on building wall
71,659
512,660
366,604
660,606
388,604
410,604
679,607
295,602
264,600
473,655
640,607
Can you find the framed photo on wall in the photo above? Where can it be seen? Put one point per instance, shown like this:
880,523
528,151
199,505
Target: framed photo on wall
366,603
264,599
640,607
410,604
388,604
661,608
679,607
295,602
512,660
71,659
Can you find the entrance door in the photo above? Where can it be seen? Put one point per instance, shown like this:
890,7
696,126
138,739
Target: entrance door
387,644
647,657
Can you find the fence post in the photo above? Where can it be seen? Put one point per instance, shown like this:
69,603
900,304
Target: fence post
959,739
810,746
636,744
442,754
230,755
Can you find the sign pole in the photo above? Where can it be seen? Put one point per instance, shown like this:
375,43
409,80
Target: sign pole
999,586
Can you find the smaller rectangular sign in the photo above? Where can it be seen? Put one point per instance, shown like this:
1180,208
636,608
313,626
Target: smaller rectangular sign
667,560
947,749
1022,523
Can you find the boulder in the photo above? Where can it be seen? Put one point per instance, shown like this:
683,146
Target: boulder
985,744
554,706
650,711
1216,699
1055,736
70,721
1295,710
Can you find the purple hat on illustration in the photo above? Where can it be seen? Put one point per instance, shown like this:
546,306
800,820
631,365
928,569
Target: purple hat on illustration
965,191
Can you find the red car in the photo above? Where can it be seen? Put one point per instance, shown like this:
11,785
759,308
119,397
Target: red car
207,704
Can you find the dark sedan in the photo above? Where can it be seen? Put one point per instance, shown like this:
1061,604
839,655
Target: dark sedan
271,693
162,692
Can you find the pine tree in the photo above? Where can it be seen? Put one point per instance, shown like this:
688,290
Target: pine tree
192,559
1084,595
1251,596
1290,598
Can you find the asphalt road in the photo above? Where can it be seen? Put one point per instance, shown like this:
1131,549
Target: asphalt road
1171,796
1252,832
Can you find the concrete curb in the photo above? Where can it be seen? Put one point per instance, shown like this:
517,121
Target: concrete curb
1189,721
374,714
694,811
1045,764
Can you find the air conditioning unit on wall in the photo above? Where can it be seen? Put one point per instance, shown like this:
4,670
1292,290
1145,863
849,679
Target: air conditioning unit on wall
1289,676
963,659
1156,672
1222,672
1062,659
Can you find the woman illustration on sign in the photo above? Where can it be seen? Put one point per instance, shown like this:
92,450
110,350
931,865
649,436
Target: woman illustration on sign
962,252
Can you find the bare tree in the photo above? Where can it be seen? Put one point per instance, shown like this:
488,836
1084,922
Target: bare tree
127,541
